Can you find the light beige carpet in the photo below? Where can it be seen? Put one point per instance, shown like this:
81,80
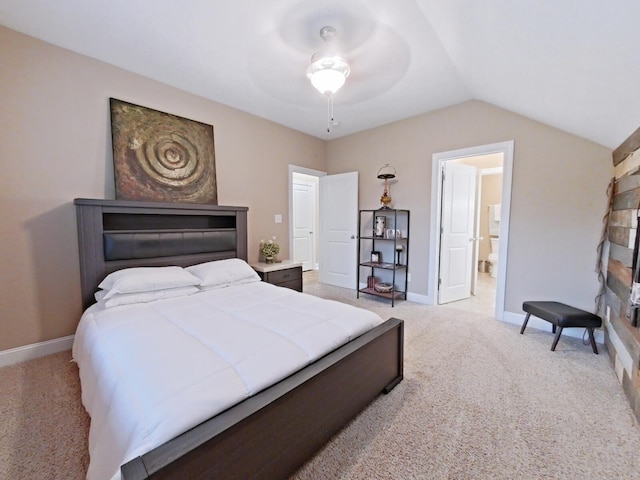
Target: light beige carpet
478,401
43,425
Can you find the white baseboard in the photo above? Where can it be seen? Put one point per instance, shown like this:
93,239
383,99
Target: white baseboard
539,324
419,298
35,350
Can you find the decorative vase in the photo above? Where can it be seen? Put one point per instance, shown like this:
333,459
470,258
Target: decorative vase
381,223
268,259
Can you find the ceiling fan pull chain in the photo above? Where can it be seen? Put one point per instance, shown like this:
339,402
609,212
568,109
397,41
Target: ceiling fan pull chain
329,112
331,103
330,118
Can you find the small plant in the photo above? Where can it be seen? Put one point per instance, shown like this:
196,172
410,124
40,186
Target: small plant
269,248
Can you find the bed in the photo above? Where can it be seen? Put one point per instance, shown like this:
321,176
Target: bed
274,430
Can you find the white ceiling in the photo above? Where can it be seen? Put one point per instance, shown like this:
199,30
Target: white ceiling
572,64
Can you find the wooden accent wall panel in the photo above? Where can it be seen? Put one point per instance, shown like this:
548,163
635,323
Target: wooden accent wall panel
623,225
626,183
621,272
627,200
620,235
623,218
627,147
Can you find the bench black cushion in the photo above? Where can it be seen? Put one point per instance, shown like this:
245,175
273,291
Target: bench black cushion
562,316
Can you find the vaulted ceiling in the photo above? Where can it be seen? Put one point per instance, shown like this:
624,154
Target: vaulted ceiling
572,64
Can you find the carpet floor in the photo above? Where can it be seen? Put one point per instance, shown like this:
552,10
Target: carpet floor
478,401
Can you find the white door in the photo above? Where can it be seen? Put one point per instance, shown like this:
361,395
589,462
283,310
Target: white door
304,198
338,229
457,241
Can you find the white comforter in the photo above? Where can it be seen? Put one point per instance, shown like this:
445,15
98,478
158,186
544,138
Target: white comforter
152,371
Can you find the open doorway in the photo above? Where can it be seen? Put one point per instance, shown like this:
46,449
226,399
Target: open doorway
332,245
304,217
480,246
469,216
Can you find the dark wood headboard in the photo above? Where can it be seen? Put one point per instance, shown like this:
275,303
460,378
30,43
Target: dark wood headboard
116,234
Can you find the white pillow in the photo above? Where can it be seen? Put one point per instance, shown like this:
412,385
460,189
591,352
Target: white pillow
141,297
224,273
146,279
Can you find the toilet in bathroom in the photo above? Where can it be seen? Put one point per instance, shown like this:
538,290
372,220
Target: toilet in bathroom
493,256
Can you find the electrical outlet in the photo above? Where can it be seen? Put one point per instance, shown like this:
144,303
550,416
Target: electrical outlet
408,277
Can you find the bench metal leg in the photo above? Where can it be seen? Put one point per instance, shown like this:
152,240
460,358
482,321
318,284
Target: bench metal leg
555,340
524,325
593,341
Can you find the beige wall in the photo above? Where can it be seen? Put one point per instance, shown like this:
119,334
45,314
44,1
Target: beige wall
56,146
555,215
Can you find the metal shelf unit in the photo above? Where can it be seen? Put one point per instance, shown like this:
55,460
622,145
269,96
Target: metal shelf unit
390,241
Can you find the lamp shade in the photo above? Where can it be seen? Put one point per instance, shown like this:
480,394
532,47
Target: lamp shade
387,172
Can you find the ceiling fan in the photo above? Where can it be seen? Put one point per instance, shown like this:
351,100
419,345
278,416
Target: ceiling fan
371,56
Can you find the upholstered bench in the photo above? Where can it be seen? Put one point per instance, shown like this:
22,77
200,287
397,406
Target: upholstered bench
562,316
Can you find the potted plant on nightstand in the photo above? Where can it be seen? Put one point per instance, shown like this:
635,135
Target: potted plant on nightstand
269,249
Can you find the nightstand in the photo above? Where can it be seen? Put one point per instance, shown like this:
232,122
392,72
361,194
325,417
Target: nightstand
283,274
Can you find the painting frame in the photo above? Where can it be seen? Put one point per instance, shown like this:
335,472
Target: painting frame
161,157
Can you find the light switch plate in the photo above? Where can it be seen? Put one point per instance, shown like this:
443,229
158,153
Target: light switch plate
278,218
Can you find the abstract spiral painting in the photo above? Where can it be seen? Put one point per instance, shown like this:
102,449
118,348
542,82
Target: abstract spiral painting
161,157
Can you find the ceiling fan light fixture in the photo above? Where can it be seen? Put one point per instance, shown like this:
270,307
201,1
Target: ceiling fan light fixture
328,72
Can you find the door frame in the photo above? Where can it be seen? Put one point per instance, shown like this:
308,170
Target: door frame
506,148
313,173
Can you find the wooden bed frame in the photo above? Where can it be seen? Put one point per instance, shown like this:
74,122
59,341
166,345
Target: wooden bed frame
273,433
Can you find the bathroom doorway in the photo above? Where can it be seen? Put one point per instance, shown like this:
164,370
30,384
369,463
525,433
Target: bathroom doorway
487,220
479,295
476,270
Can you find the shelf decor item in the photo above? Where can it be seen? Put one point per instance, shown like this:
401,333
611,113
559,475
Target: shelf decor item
269,249
383,287
399,249
386,173
381,223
